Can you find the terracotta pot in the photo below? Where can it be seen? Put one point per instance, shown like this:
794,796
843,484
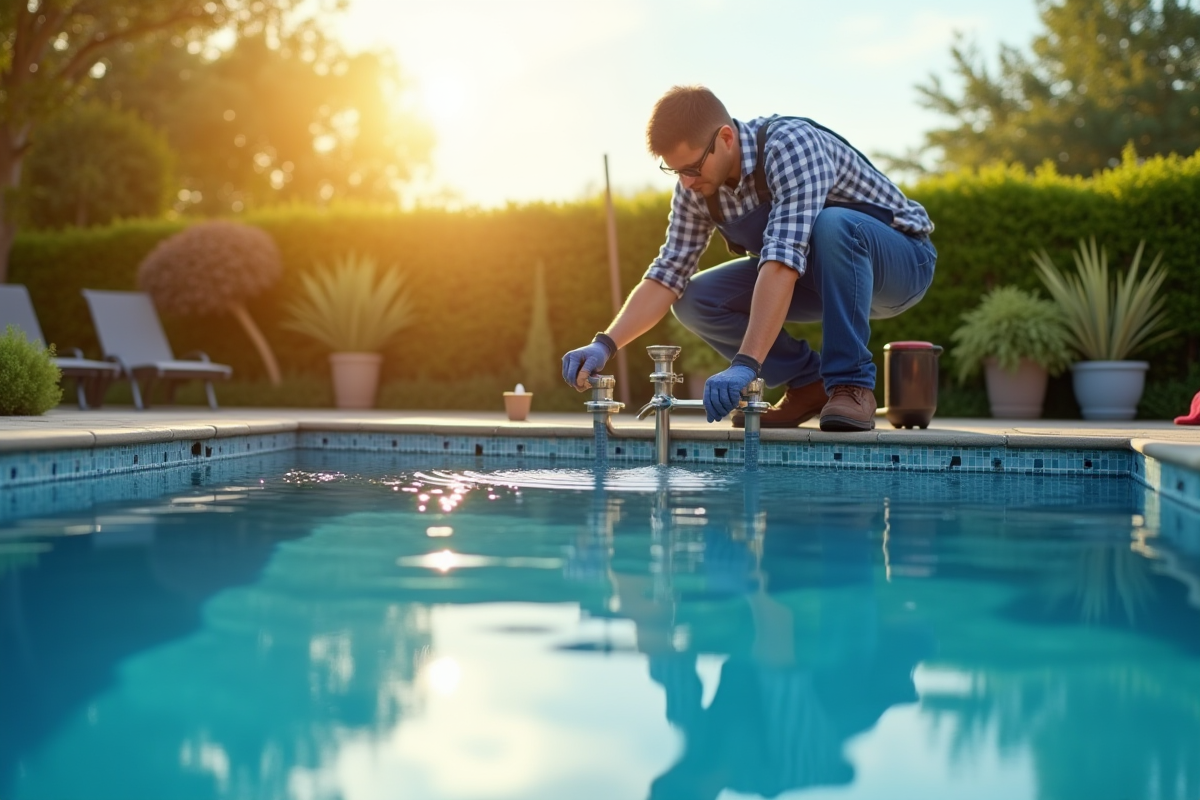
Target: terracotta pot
517,405
1109,389
1016,395
355,378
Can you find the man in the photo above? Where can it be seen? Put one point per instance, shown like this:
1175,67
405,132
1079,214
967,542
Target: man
824,236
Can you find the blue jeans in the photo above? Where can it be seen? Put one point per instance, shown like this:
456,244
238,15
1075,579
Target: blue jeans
859,269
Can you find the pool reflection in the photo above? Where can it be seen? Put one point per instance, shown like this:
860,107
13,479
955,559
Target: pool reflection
815,635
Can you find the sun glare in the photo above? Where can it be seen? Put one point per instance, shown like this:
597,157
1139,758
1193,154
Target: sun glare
444,97
443,675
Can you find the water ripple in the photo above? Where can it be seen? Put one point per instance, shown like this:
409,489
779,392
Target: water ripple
634,479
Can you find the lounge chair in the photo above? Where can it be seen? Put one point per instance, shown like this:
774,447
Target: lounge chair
131,335
91,377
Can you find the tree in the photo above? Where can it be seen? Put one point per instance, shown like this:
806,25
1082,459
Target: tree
125,169
1103,74
51,50
269,121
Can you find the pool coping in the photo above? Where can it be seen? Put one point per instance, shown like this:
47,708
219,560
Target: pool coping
71,430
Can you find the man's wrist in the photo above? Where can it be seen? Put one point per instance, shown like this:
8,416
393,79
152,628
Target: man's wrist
606,340
743,360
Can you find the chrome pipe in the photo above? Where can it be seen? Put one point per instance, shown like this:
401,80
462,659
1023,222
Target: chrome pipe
753,407
602,406
664,380
669,403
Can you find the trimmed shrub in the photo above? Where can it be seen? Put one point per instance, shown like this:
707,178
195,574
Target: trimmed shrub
471,273
210,267
214,268
28,375
56,266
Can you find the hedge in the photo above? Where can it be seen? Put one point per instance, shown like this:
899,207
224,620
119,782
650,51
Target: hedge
472,271
989,221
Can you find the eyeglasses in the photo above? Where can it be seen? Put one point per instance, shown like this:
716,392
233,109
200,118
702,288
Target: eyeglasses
693,170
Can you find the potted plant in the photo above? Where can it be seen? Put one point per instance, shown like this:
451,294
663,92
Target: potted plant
697,360
354,309
1019,340
1108,322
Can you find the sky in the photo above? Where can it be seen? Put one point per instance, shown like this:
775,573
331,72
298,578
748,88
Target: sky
526,97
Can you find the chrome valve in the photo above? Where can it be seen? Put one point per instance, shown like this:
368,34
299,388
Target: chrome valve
602,407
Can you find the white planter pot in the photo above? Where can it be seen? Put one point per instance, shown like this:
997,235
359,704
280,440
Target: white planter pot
355,378
1109,389
1016,395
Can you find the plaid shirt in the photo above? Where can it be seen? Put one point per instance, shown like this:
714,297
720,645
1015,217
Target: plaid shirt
805,166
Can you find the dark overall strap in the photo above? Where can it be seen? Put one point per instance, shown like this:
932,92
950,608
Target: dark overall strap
760,175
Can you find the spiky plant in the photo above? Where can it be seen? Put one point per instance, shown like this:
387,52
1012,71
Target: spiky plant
1009,325
352,306
1108,321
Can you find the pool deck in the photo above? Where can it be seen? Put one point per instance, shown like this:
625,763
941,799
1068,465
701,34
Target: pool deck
61,429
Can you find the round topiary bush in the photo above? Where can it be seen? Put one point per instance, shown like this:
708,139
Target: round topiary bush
29,377
214,268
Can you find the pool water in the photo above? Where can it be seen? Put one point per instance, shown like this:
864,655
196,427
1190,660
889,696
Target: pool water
316,626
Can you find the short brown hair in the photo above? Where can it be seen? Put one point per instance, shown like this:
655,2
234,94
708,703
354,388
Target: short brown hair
684,114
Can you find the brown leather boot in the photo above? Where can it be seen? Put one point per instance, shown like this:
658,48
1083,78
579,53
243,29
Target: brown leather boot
799,404
850,408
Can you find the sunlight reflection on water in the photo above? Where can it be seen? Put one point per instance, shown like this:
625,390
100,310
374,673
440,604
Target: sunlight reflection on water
634,479
641,479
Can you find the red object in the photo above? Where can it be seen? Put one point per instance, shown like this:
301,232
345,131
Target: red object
910,346
1193,416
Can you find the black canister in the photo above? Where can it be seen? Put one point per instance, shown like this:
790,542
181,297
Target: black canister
910,383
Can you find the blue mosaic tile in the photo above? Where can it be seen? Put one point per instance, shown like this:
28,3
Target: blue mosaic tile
57,466
66,496
533,447
23,469
1169,480
1177,524
685,451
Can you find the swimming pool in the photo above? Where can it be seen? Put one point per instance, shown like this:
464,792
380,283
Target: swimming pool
336,625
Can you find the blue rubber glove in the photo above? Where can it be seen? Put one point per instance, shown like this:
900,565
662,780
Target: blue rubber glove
723,391
590,359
